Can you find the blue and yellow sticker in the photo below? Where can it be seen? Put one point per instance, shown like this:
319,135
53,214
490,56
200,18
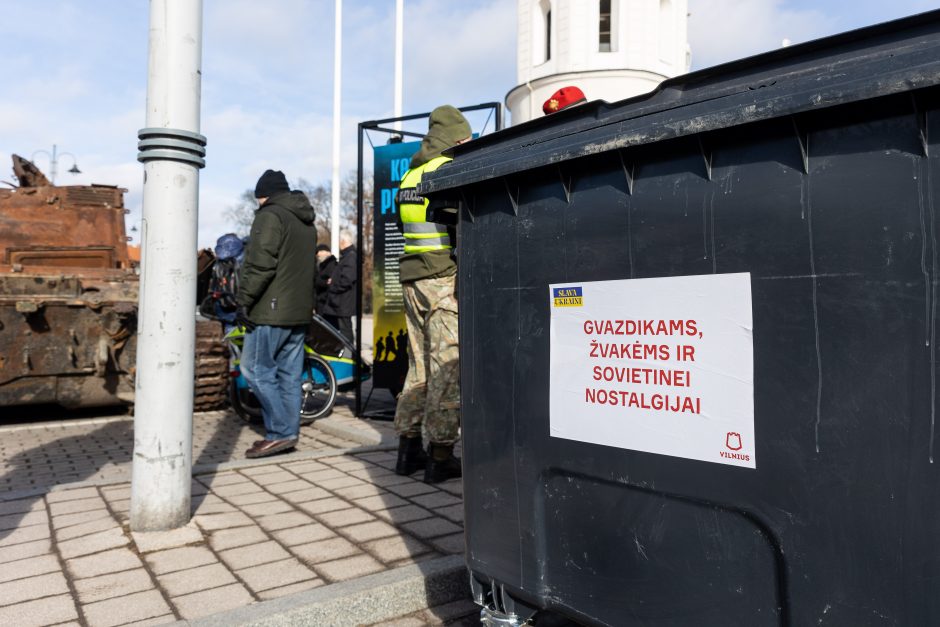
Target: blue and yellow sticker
567,297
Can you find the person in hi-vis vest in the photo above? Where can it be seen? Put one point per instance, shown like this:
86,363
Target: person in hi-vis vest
429,405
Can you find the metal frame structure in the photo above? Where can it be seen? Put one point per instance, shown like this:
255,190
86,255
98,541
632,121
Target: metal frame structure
379,125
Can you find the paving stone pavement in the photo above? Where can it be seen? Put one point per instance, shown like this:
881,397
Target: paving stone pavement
333,511
39,455
258,532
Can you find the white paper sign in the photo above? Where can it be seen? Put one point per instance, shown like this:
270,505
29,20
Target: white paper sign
657,365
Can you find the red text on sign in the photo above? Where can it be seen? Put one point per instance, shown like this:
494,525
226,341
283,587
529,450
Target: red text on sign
641,327
641,400
659,352
643,376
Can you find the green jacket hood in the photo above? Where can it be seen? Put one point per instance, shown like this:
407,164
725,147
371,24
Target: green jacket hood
296,202
446,127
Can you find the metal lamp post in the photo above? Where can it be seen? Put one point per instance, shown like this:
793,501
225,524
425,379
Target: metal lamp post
54,161
399,58
172,151
337,83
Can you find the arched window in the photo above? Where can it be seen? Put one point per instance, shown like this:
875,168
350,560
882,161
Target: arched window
667,31
548,32
604,27
541,32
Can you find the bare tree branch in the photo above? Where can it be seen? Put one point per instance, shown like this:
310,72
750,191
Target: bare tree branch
242,213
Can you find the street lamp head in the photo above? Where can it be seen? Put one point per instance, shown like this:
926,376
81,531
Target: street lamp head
54,161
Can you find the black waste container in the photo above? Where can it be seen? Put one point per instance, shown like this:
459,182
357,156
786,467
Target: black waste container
698,336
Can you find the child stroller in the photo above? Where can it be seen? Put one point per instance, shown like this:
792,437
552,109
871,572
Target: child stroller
328,356
329,368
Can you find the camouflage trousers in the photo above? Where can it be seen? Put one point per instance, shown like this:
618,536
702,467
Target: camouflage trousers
430,401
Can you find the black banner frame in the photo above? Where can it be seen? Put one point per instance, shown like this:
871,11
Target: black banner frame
364,129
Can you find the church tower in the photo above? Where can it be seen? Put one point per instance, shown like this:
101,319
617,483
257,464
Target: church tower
610,49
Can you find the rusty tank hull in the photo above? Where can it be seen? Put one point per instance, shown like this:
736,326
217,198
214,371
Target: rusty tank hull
66,340
68,300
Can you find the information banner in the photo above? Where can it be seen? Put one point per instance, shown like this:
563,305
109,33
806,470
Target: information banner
661,365
390,334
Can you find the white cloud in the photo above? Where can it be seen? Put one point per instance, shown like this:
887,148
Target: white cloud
464,56
264,52
725,30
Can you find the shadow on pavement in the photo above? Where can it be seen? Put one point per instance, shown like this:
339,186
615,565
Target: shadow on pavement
26,414
98,452
429,521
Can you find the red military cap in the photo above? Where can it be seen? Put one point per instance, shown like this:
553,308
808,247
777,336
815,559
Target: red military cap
562,99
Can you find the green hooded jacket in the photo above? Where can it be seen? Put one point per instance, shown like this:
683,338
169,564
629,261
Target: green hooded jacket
446,127
276,284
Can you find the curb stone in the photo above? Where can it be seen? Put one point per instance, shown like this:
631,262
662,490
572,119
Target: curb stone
364,436
366,600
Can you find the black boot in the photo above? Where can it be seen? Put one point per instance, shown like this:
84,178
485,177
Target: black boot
411,455
442,465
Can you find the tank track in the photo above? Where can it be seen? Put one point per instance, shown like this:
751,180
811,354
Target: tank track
211,371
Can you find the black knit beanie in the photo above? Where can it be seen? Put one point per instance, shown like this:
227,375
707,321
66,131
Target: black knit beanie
272,182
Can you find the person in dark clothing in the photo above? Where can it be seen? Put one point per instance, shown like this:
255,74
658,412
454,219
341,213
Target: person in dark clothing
428,407
326,263
341,295
275,300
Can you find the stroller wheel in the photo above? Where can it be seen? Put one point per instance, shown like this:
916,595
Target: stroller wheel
245,404
318,390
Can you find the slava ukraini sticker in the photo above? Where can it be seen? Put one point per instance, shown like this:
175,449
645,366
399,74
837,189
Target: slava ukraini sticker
568,296
662,365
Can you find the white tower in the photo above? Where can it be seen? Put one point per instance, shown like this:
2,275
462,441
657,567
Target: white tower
610,49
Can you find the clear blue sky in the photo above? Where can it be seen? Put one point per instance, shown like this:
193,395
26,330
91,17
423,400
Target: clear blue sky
76,76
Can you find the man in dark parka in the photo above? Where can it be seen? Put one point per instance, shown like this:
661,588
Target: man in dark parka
275,301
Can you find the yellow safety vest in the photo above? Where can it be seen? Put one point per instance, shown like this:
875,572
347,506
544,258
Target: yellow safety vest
421,236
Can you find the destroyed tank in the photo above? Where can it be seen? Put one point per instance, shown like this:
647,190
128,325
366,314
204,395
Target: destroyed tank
68,300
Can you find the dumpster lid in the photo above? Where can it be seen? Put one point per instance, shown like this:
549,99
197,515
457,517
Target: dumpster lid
889,58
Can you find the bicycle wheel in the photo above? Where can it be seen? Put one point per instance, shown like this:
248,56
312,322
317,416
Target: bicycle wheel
245,404
318,389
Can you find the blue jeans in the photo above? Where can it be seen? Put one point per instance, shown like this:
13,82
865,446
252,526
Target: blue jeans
272,361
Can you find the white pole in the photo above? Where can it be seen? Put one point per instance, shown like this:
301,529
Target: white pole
171,150
53,166
399,57
337,67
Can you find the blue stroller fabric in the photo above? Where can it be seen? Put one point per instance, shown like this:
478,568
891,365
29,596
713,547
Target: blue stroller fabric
229,246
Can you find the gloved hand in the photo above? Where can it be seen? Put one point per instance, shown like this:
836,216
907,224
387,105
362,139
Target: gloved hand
241,319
